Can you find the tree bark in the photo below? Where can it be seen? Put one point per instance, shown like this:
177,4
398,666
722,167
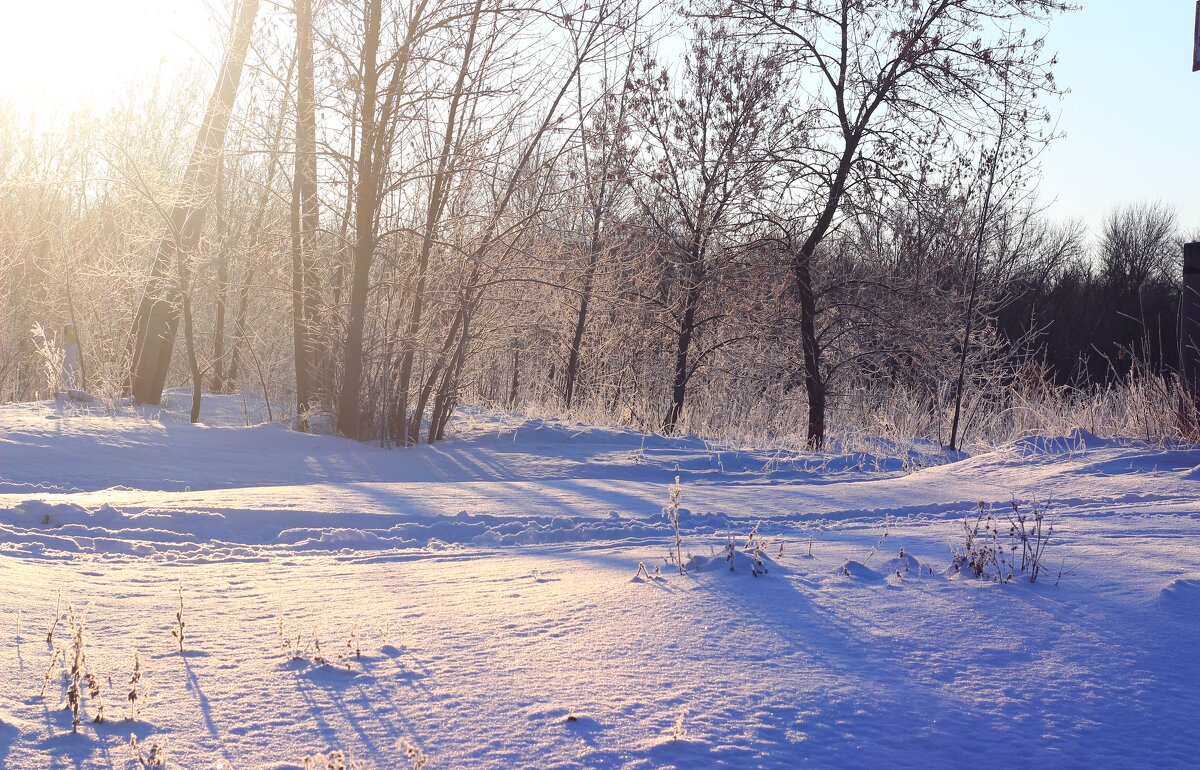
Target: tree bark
687,328
218,377
805,296
969,322
814,382
585,298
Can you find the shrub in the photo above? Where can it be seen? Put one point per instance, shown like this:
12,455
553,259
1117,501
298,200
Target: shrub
154,755
985,555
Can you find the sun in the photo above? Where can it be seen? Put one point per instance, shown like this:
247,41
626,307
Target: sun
74,54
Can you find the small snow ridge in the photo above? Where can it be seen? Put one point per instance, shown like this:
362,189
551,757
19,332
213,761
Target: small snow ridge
1076,441
1182,592
38,513
738,562
859,571
903,566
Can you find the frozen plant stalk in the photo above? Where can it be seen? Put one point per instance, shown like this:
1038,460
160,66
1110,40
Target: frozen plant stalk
137,690
679,731
177,632
672,512
54,623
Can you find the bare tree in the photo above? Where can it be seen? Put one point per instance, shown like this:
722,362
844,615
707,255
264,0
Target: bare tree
877,74
376,121
1139,242
305,218
164,300
702,167
604,156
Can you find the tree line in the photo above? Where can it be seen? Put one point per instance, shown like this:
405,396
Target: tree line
676,219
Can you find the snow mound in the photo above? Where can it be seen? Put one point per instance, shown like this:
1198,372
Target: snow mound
38,513
859,571
1075,441
742,563
903,566
1182,592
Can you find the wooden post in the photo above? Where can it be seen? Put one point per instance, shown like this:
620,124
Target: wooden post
1189,321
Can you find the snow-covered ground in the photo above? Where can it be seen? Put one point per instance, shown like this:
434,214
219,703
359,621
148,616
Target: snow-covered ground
475,602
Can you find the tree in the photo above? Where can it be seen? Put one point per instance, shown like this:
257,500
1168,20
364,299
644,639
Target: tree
305,218
1138,251
378,113
604,151
701,167
165,300
1139,243
878,75
440,188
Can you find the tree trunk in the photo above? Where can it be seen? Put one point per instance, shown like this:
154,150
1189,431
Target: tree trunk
189,336
349,417
589,277
438,196
814,383
447,393
805,295
516,381
218,377
413,434
239,330
969,323
252,247
305,216
687,329
158,314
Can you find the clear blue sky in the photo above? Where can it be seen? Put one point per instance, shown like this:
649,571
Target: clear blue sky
1132,119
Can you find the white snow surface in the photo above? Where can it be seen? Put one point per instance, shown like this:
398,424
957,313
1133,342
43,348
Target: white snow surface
477,599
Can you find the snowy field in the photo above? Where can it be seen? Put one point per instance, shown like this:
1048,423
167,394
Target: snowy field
474,603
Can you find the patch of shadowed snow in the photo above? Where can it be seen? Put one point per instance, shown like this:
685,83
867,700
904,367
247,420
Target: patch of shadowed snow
8,732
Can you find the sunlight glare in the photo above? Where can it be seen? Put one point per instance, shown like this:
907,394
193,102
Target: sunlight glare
71,54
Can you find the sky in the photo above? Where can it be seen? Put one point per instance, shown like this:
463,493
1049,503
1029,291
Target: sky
1131,119
61,53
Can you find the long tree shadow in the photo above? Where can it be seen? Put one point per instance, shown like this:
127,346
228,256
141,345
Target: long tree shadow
368,701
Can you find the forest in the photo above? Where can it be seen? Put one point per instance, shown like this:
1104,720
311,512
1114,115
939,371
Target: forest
599,384
763,221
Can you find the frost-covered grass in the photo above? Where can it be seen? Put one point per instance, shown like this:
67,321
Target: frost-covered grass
899,421
476,603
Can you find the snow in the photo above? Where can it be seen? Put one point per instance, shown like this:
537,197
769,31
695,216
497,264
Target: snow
468,597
